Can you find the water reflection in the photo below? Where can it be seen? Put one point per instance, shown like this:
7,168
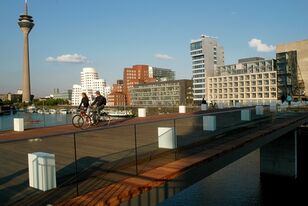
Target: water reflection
33,120
240,184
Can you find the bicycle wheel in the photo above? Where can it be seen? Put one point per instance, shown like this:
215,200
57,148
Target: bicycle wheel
86,122
105,118
77,121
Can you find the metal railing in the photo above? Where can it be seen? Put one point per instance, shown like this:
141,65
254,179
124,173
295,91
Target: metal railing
91,159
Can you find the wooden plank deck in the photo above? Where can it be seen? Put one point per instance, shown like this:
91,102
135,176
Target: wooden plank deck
122,191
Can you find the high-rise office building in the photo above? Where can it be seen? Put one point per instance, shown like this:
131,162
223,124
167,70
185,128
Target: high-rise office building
90,83
206,54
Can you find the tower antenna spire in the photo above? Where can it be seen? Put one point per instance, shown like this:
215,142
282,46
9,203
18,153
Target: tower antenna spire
26,7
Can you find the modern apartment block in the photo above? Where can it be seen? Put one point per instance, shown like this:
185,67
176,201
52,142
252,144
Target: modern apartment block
292,59
206,54
12,97
66,95
161,74
90,83
288,80
248,81
117,96
166,93
140,74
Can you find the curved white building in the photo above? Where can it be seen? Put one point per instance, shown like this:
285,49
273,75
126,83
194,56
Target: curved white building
90,83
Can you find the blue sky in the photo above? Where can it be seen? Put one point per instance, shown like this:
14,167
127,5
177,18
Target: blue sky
111,35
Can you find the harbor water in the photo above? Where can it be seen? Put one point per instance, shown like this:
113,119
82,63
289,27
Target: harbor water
240,183
34,120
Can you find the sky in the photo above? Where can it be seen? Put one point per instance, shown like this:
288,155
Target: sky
111,35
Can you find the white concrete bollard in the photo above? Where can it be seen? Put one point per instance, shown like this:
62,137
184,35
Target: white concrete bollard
284,106
245,115
220,105
209,123
259,110
19,124
204,107
142,112
182,109
167,138
273,107
42,171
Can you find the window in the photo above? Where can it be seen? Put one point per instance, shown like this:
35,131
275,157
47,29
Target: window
198,62
198,71
198,66
198,57
196,45
198,75
196,52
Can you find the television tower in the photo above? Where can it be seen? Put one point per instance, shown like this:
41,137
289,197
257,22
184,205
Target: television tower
26,24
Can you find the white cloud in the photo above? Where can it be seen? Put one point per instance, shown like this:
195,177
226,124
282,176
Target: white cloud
261,47
69,58
163,56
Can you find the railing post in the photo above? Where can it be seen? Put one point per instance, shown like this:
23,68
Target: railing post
75,158
136,155
174,125
44,118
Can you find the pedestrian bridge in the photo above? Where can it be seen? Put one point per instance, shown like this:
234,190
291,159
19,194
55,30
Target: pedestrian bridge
144,161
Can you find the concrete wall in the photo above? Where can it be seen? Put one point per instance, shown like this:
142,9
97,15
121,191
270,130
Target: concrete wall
280,156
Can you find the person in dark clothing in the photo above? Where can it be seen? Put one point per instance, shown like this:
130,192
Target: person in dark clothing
203,101
99,102
84,102
283,98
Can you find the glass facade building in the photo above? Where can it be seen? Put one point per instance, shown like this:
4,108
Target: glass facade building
167,93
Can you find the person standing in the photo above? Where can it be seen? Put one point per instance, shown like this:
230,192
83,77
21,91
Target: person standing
283,98
203,101
289,99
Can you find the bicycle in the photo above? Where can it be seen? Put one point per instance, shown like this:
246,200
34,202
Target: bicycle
213,105
102,117
82,120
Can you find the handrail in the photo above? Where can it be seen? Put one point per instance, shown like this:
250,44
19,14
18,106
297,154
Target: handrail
130,124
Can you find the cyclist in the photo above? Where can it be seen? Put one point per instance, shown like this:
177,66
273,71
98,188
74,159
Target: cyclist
99,104
84,102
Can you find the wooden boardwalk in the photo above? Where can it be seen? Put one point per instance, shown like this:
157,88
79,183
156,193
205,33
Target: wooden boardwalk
105,156
101,148
120,192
